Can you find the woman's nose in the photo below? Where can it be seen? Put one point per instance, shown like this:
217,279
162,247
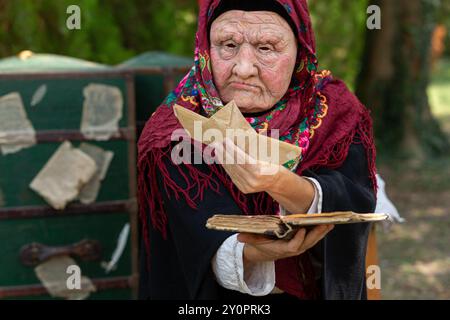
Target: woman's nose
245,66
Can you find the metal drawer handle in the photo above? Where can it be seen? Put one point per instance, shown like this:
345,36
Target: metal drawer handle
35,253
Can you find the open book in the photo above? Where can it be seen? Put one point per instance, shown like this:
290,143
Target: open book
284,226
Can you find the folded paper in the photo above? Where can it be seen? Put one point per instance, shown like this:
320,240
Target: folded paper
229,122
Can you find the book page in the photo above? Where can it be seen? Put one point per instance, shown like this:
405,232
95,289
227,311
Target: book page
281,226
331,218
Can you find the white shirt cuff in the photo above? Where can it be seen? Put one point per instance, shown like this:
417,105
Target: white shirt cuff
316,206
228,268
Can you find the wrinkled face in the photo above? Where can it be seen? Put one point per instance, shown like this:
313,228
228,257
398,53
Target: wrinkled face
252,58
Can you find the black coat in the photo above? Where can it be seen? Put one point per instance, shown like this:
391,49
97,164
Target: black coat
180,267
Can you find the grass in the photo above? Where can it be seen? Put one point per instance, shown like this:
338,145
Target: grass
439,94
415,255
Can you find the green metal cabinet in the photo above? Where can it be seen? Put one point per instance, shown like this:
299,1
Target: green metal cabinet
156,74
26,218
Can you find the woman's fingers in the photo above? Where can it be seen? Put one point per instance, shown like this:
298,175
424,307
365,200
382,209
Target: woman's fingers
248,174
251,238
225,156
242,157
265,249
315,235
295,244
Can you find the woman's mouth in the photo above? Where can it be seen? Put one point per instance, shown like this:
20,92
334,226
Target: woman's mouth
243,86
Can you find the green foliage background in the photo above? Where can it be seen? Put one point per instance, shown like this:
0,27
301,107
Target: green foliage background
111,30
339,28
115,30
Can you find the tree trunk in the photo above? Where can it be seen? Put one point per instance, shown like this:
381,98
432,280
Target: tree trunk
394,77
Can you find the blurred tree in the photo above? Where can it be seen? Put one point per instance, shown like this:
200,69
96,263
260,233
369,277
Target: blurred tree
394,77
40,26
443,18
339,29
111,31
157,25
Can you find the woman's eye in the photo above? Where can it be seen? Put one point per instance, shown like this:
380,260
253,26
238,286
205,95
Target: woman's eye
265,49
230,45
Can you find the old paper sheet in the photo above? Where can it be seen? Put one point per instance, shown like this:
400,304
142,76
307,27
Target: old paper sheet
58,275
102,159
16,130
102,111
230,121
63,176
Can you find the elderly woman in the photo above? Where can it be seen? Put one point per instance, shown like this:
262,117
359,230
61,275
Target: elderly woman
261,54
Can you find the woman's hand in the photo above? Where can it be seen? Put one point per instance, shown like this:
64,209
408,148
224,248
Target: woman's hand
260,248
292,191
248,174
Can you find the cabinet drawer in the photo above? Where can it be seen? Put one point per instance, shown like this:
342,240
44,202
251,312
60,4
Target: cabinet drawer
61,231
